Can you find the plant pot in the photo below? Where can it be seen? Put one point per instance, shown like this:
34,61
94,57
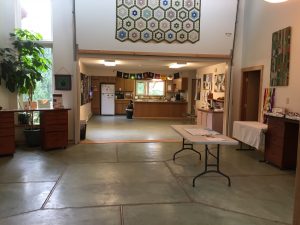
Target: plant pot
33,137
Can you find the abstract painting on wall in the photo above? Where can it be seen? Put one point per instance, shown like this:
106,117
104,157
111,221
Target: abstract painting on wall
158,20
280,62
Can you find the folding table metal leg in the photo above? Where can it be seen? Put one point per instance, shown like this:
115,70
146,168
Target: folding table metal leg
186,146
217,165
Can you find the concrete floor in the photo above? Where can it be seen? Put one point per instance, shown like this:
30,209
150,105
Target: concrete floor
139,183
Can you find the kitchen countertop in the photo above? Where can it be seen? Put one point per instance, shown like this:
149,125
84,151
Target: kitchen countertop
158,101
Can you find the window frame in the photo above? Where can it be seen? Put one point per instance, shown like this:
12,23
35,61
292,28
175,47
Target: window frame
147,82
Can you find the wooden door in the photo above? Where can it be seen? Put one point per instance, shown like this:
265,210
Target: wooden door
251,95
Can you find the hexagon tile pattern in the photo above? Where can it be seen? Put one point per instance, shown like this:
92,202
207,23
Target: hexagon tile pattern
158,20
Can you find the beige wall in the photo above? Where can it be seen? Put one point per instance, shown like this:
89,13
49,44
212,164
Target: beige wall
262,19
254,49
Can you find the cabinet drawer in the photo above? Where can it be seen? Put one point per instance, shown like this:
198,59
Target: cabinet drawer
55,140
7,132
7,145
6,119
55,127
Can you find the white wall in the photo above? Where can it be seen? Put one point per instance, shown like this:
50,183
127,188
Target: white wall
261,20
85,111
96,21
63,56
7,25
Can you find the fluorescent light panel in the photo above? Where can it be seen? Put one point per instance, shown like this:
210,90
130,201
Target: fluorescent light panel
109,63
275,1
177,65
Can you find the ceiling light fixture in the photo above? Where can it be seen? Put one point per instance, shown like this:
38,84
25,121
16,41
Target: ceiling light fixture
275,1
109,63
177,65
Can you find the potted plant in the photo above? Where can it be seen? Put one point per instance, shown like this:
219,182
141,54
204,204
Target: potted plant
23,66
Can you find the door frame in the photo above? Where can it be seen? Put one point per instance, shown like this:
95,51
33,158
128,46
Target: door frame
247,70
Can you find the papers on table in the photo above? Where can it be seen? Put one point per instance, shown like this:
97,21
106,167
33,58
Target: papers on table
208,134
202,132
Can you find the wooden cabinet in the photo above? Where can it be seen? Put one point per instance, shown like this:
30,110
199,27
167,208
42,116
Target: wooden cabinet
160,109
120,84
282,142
7,133
120,106
170,86
210,119
125,85
129,85
181,84
54,128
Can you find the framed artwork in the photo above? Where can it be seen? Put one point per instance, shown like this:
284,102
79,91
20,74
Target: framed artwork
207,81
280,61
63,82
219,83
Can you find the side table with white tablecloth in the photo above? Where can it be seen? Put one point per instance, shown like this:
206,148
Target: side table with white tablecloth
251,133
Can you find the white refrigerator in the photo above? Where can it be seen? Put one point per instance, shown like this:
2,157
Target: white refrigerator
107,99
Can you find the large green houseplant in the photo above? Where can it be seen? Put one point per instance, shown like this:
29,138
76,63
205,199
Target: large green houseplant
23,65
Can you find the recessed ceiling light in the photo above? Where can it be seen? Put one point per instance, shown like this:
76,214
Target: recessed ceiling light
177,65
275,1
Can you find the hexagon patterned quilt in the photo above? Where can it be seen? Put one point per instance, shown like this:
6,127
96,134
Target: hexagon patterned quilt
158,20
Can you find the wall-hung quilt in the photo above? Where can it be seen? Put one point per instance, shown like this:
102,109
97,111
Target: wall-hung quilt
280,62
158,20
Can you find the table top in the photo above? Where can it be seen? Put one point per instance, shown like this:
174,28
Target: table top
251,124
199,135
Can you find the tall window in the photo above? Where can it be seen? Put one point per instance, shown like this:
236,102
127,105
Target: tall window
150,88
36,16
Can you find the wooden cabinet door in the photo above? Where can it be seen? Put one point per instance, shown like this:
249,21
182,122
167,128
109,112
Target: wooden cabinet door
120,83
7,133
129,85
95,104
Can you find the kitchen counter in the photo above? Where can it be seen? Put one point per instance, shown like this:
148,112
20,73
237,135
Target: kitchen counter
160,109
159,101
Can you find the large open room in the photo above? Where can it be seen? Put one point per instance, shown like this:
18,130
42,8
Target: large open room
153,112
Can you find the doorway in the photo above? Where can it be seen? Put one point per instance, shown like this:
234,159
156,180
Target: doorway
251,93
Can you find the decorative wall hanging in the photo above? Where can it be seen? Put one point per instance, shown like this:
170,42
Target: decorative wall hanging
63,82
146,76
269,97
219,83
207,81
158,20
280,62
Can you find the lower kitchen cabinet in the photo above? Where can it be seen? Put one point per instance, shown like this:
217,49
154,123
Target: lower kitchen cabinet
160,109
7,133
120,106
282,142
210,119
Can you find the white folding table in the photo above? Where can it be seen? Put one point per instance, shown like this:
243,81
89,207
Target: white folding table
196,135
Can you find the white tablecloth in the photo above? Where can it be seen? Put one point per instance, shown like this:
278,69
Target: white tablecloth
250,132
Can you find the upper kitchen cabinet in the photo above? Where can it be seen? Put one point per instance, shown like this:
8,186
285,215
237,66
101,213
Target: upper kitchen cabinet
120,84
181,84
124,85
129,85
170,86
